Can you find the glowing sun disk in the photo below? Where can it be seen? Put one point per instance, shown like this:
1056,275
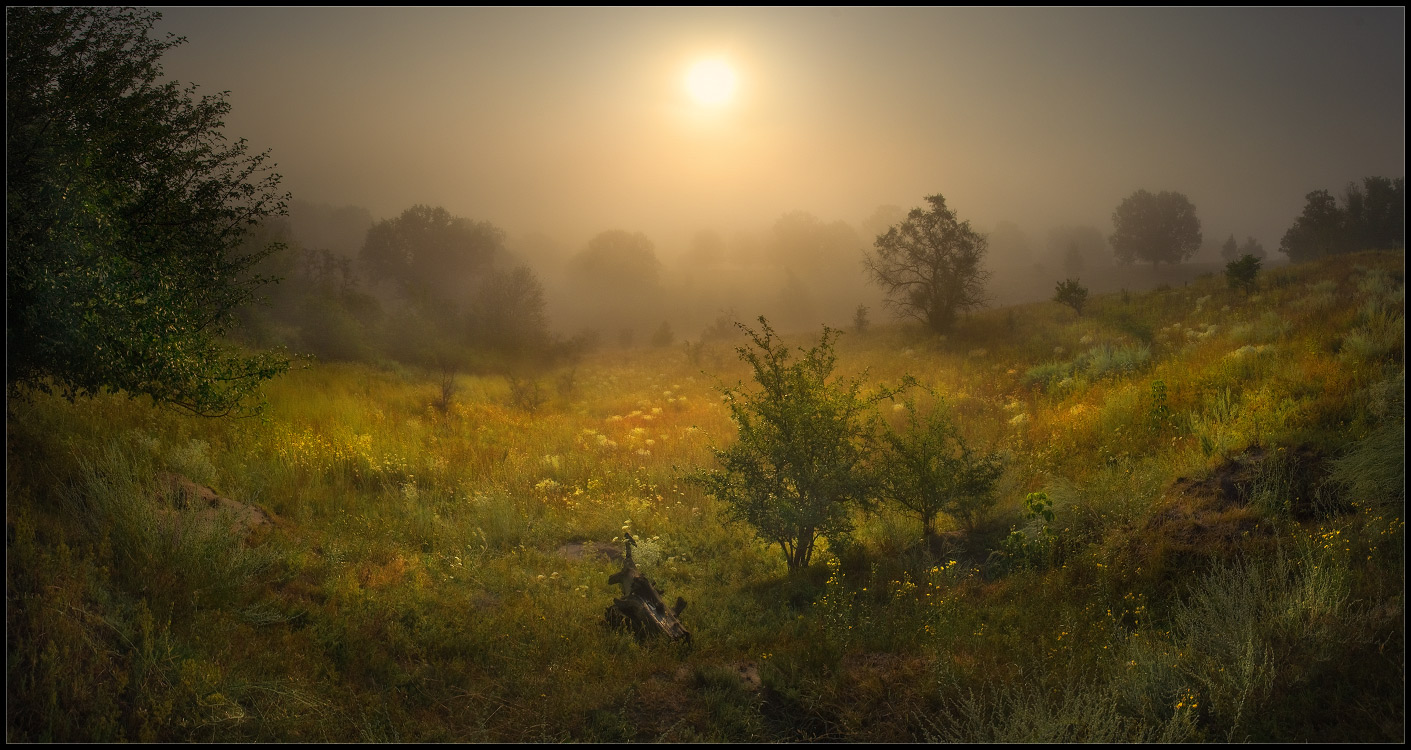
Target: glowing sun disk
711,82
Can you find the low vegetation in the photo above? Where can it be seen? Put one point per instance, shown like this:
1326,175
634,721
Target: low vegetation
1186,524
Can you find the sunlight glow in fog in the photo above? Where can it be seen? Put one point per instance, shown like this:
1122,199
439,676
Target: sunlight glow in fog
711,83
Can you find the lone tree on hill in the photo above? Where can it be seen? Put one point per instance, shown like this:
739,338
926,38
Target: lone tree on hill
929,266
125,210
799,465
1156,228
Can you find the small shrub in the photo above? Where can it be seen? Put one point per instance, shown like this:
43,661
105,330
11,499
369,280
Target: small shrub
929,469
525,393
1072,294
1241,274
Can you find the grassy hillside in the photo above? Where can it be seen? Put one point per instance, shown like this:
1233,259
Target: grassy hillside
1225,562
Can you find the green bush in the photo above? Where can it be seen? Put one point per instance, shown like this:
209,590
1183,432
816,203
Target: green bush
799,464
1242,274
929,469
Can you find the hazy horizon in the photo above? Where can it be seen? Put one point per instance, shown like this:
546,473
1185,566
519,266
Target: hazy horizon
567,122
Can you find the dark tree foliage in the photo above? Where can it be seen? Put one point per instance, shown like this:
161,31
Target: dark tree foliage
1155,228
1071,293
1373,217
930,266
799,465
428,253
1376,214
125,211
1317,232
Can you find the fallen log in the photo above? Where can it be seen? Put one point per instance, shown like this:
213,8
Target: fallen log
641,608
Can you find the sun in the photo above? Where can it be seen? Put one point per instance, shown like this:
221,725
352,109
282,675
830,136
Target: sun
711,82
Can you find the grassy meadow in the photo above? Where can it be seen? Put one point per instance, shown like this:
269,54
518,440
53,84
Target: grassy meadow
1225,562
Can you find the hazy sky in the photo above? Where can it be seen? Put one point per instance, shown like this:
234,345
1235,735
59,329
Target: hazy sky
571,121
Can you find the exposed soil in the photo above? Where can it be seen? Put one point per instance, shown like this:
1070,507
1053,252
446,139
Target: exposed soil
185,502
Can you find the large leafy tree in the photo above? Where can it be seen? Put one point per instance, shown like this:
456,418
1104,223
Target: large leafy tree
1155,228
929,265
125,210
800,462
617,260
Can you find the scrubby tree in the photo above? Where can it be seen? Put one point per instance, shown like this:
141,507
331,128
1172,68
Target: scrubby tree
799,465
930,266
1241,274
929,469
126,207
1155,228
1072,294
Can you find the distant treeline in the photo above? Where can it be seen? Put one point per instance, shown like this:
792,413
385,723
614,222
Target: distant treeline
426,289
1372,217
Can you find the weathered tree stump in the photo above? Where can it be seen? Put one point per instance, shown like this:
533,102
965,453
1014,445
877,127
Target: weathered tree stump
641,609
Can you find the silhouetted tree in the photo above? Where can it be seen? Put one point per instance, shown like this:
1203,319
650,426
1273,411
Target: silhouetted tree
125,212
618,260
1090,244
1251,246
1230,250
859,319
507,314
1376,214
663,337
1073,260
1156,228
930,266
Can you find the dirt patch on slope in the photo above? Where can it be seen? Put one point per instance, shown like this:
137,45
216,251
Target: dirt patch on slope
187,503
590,551
1226,511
